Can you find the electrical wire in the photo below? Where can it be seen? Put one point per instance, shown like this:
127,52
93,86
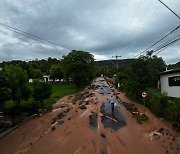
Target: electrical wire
169,9
31,36
129,25
22,40
158,41
139,21
167,44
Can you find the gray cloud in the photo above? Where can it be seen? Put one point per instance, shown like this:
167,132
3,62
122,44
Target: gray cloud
103,27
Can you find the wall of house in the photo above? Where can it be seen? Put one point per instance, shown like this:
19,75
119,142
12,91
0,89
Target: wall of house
173,91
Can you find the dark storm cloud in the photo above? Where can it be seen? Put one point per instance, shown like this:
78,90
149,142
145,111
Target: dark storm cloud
104,27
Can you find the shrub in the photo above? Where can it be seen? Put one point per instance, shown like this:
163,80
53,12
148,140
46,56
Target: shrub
163,106
144,117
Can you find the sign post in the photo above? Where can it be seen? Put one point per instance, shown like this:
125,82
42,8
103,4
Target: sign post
144,94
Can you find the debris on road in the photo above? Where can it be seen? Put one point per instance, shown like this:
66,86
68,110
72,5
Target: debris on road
134,111
53,128
82,107
60,122
93,120
103,135
167,139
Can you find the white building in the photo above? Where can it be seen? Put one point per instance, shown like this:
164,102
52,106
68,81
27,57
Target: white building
30,80
170,82
47,78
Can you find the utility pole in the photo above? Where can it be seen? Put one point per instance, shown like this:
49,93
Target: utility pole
117,66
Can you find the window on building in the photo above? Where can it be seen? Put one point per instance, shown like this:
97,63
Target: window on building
174,81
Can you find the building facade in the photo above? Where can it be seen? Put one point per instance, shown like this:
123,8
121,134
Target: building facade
170,82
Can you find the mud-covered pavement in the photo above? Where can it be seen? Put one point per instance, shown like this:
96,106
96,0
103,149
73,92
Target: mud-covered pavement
90,127
110,119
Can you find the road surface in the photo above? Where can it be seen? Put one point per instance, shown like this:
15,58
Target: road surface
90,127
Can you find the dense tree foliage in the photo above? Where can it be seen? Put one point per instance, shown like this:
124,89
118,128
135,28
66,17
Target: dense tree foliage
174,66
5,92
80,66
41,91
141,75
40,65
56,72
18,83
36,74
107,71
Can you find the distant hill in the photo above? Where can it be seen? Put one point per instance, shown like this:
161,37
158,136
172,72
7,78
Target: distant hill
177,64
110,62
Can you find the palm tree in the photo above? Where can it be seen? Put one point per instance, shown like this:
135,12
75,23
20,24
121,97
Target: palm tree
149,53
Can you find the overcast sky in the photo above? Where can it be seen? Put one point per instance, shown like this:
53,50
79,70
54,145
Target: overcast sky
102,27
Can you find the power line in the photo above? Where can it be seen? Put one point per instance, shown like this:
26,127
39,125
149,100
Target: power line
22,40
171,43
129,25
158,41
160,46
168,43
165,35
169,8
139,21
23,33
36,38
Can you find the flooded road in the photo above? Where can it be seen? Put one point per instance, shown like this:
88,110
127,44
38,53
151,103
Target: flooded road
111,118
101,120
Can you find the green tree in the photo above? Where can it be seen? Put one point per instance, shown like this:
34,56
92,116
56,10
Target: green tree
56,72
41,91
149,54
123,75
139,77
142,74
18,83
5,92
36,74
80,66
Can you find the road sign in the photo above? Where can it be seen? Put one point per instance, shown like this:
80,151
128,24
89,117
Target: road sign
144,94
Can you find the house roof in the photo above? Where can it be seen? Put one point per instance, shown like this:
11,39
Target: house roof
46,76
176,70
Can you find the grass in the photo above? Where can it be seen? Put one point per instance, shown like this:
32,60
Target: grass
58,91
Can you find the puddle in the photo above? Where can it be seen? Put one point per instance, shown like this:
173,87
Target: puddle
111,120
93,120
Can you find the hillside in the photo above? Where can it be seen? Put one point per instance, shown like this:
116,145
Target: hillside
177,64
110,62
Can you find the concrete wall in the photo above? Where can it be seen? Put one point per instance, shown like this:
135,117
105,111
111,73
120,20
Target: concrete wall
173,91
